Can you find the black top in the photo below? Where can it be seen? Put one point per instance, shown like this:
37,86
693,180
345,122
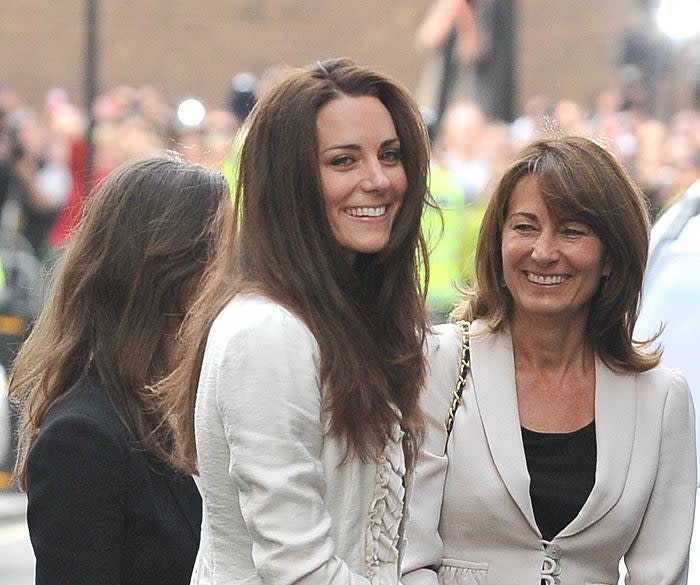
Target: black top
562,474
99,512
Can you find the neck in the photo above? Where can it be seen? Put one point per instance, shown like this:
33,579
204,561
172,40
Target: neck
554,373
549,343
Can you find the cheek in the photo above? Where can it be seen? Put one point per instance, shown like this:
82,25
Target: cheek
400,182
602,262
331,189
509,251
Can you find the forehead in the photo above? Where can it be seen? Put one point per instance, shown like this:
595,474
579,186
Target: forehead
531,195
353,120
526,196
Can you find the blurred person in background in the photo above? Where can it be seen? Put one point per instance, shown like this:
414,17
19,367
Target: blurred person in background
570,117
243,95
449,37
297,402
469,56
530,123
444,229
609,121
682,154
469,151
103,504
569,447
130,123
459,147
222,128
39,178
648,161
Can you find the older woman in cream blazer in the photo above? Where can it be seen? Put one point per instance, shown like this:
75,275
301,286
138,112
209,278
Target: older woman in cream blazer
572,447
472,521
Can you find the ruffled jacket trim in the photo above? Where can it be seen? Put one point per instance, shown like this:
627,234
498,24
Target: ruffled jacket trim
386,512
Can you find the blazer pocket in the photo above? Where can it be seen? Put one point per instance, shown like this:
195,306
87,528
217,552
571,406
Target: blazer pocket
459,572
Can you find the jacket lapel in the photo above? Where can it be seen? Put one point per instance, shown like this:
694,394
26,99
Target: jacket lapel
493,371
615,417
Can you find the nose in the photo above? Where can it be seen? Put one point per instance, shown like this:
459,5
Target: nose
375,178
545,250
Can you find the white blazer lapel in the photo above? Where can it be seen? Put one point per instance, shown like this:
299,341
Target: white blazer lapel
615,420
494,386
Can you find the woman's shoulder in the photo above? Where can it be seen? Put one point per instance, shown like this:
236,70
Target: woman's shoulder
259,322
443,340
85,413
87,399
664,380
444,346
653,387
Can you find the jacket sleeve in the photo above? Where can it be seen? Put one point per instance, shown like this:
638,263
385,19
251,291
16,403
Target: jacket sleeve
423,542
269,398
659,553
75,499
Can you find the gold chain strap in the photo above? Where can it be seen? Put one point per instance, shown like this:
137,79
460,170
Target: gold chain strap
464,365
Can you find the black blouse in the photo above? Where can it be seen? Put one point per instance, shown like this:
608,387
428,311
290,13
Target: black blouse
562,474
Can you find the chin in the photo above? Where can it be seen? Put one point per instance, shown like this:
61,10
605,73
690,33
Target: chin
367,247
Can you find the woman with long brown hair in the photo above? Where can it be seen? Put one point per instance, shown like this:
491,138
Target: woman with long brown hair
103,504
298,403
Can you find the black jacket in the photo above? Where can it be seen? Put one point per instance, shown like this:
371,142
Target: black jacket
98,512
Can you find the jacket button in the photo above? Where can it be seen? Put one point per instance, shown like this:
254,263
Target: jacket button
553,551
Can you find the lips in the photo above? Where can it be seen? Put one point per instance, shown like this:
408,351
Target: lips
546,279
375,211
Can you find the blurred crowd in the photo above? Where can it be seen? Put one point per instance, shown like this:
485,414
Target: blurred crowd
44,153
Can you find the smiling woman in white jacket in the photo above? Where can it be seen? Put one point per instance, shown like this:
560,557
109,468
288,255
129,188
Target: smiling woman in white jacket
572,448
306,347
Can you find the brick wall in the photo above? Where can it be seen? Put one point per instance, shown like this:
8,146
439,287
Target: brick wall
566,47
570,48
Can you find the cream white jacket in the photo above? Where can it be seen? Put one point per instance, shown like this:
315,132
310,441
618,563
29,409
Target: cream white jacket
472,520
279,507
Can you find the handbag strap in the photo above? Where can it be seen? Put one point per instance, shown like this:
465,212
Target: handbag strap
464,365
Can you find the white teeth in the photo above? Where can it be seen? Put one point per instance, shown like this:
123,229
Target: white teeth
366,211
538,279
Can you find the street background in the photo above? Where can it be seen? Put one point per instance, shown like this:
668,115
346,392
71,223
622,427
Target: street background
16,557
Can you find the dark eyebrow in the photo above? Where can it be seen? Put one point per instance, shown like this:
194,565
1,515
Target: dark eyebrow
351,146
525,214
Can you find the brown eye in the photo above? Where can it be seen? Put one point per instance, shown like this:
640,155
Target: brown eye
391,156
342,161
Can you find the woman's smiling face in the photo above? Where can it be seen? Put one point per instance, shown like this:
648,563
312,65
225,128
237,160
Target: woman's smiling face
551,266
362,175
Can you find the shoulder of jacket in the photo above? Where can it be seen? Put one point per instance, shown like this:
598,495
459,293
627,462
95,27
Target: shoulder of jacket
664,380
252,322
86,408
442,338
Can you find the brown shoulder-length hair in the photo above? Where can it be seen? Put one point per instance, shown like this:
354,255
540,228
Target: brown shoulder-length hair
583,181
367,318
119,294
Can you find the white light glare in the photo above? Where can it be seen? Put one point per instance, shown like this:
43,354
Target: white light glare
679,19
191,112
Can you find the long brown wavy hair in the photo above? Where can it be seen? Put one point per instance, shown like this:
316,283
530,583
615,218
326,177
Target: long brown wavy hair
580,180
119,294
367,317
